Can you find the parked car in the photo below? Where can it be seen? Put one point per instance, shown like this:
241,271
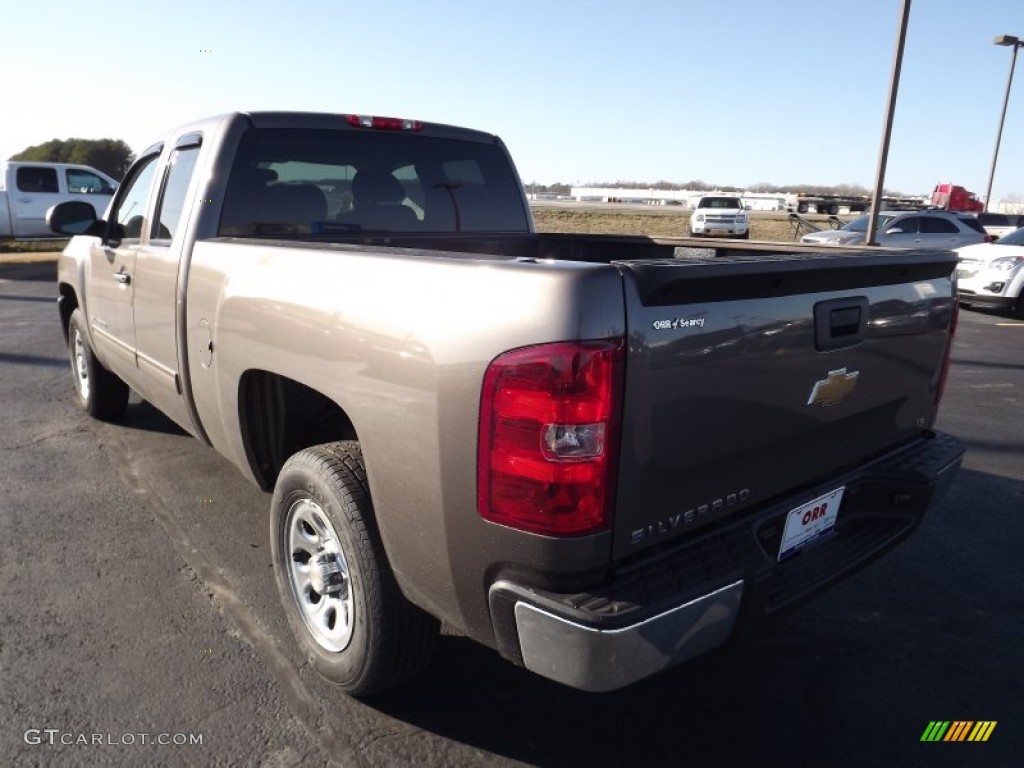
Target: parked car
908,229
29,189
992,274
720,216
1000,224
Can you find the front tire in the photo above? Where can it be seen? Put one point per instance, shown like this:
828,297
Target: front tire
101,393
343,604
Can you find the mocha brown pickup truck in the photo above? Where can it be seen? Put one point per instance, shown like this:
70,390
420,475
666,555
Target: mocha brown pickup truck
598,455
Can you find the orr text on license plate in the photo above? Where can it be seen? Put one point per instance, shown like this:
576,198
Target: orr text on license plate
809,522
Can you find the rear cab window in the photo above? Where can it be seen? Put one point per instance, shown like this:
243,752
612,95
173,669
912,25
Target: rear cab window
35,179
323,182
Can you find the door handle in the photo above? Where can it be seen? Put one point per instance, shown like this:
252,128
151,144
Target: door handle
123,278
840,323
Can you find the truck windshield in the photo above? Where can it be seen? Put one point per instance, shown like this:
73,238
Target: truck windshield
337,182
719,202
860,224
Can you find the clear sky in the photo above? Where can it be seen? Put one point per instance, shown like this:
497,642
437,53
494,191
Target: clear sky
732,93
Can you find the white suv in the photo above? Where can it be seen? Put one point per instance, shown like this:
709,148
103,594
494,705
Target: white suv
721,216
992,275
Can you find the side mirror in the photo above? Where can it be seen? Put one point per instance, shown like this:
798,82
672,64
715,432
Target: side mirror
894,231
74,218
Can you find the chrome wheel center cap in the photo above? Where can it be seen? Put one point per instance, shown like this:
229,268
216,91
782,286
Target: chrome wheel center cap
326,575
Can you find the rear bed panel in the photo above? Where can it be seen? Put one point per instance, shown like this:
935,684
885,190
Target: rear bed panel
732,401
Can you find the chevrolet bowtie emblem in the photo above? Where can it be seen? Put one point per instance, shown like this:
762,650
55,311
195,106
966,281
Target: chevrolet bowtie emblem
833,390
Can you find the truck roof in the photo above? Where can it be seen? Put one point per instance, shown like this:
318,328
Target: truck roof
325,121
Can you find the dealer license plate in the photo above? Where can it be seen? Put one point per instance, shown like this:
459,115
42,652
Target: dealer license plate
809,522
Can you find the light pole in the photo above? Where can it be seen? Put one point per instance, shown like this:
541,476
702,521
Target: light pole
1015,43
890,110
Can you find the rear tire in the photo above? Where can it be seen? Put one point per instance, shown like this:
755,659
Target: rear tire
343,604
101,393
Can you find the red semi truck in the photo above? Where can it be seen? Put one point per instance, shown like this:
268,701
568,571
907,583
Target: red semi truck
950,197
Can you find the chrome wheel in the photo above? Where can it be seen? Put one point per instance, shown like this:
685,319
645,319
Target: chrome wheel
319,575
81,372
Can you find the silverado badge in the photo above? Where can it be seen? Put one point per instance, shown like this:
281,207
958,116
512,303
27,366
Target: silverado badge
833,390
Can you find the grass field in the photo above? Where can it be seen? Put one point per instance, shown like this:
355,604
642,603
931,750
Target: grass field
654,222
29,246
598,219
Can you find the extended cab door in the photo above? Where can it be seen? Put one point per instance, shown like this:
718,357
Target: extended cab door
156,283
33,190
110,290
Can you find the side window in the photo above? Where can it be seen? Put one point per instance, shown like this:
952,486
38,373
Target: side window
87,183
172,200
32,179
907,226
935,225
131,208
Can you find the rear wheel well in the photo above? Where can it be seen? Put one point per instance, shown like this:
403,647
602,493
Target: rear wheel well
279,417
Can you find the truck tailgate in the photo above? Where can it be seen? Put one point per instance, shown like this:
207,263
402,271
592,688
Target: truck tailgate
750,377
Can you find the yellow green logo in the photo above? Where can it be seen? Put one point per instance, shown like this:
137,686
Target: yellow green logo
958,730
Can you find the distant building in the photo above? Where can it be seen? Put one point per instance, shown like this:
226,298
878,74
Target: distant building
757,201
1010,206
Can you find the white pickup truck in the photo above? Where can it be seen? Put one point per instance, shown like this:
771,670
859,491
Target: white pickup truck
28,189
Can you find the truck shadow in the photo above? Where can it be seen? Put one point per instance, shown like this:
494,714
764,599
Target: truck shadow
39,299
17,359
851,678
143,416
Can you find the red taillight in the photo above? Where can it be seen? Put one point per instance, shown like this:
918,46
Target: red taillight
549,424
954,318
383,123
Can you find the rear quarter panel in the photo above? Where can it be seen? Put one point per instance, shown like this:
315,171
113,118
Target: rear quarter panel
400,341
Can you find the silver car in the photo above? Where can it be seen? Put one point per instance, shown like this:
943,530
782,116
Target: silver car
908,229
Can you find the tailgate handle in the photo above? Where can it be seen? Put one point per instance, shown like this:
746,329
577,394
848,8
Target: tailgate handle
840,323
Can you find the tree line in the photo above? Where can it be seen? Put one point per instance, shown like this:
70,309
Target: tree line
112,156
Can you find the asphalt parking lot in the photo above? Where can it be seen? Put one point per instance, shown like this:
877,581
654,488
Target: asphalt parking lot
137,599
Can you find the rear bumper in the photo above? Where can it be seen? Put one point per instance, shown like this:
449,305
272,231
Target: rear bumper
697,594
